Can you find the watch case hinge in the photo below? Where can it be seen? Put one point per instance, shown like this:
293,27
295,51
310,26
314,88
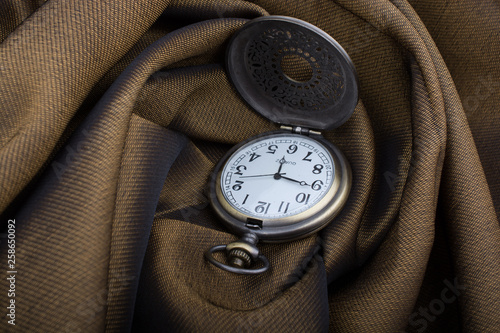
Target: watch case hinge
300,130
254,224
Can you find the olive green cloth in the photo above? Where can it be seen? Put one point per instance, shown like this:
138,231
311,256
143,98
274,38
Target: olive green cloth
113,115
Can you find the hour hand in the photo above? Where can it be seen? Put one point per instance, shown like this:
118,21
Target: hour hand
301,182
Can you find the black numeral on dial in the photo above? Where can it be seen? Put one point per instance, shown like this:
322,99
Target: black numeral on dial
245,201
303,198
292,149
317,169
254,156
272,149
262,207
237,186
316,186
283,205
240,169
307,157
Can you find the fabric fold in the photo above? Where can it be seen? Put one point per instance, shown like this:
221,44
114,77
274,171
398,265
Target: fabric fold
106,174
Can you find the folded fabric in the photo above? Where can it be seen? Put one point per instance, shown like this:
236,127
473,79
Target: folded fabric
113,115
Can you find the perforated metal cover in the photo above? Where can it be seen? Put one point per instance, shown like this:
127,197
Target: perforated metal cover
292,73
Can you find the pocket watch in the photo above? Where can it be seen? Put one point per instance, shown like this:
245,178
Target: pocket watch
286,184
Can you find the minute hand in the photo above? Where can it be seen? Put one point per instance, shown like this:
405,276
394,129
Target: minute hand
303,183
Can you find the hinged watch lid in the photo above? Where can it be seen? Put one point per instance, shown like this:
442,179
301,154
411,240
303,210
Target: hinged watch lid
292,73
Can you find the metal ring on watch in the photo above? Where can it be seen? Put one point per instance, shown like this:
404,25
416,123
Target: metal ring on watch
237,270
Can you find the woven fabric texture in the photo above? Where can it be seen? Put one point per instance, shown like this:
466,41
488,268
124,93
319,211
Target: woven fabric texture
113,115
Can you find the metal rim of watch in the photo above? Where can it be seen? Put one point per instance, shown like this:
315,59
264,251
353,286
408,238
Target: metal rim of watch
288,228
323,98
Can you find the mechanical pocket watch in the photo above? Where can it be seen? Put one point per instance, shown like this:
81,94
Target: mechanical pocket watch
286,184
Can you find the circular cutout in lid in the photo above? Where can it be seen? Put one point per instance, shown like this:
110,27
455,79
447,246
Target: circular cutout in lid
293,73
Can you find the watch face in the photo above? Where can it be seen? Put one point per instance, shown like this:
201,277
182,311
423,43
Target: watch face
278,176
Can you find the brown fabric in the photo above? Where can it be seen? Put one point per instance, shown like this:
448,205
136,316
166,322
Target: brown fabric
114,114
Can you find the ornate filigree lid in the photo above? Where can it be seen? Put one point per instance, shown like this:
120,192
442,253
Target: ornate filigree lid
293,73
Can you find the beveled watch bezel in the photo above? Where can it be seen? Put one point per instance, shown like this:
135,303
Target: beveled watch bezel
290,227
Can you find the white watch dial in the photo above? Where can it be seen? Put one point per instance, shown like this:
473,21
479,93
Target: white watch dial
277,176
